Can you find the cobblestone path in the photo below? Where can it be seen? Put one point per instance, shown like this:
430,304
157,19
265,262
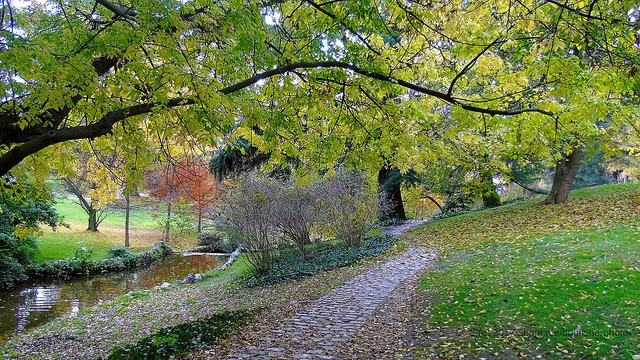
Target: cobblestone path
399,229
315,332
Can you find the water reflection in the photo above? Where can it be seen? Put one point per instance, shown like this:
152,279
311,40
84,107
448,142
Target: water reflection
34,303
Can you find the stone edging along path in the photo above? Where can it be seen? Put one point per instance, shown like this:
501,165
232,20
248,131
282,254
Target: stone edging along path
318,330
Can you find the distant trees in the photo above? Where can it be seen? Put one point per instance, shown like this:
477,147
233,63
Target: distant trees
185,186
162,185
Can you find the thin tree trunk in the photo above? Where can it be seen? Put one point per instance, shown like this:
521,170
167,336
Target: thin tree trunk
389,181
166,226
126,219
566,171
199,221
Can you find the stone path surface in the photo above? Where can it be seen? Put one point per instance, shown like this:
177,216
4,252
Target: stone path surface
318,330
399,229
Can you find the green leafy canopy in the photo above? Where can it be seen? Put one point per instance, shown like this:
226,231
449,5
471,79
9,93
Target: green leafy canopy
395,80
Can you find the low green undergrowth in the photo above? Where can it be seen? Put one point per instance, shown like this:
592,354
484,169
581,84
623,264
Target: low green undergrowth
182,339
289,264
83,263
565,295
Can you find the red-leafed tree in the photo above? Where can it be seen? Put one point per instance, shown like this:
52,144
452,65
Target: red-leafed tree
188,181
197,187
163,185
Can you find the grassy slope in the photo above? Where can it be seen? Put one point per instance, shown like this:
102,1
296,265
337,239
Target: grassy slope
63,242
515,280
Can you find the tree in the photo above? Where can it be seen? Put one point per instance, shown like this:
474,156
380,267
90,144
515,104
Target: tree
92,185
566,171
197,187
389,181
163,184
312,75
233,160
186,183
23,208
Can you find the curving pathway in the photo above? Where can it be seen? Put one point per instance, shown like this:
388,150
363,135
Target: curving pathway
317,331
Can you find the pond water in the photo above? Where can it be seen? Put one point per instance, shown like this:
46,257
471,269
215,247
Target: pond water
34,303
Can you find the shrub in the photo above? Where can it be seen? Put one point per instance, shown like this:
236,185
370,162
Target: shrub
83,254
10,270
229,245
248,216
24,249
119,252
120,258
15,255
260,212
295,213
114,264
181,339
389,222
347,207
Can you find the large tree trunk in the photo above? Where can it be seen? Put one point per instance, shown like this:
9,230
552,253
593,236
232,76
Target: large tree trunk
389,181
93,219
566,170
490,197
127,210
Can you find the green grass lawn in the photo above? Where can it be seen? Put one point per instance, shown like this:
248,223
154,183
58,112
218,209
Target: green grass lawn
559,281
140,218
63,242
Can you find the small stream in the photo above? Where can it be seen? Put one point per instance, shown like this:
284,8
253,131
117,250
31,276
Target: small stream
33,303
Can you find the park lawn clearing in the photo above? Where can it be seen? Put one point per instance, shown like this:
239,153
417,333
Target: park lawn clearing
535,288
64,242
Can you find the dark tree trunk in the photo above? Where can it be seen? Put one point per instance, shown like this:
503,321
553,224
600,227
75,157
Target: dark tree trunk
389,181
126,219
93,219
490,197
87,206
199,221
566,170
